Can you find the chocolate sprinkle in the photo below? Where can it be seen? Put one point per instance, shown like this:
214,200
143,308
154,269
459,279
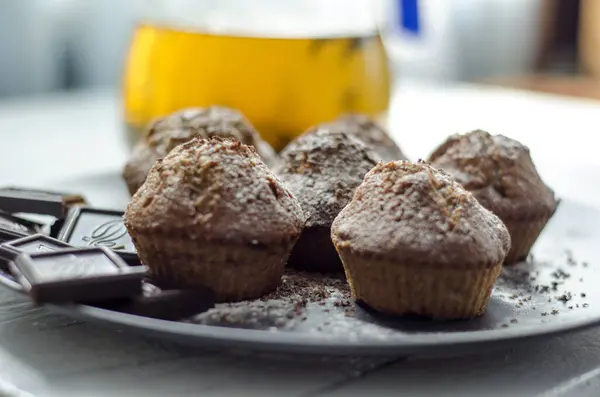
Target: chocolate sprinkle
286,306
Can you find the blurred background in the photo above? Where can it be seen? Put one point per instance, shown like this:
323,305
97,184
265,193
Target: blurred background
48,45
328,57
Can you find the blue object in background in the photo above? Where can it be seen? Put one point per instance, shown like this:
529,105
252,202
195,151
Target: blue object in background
409,16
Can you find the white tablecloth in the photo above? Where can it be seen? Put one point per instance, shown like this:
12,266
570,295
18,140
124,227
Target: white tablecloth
65,140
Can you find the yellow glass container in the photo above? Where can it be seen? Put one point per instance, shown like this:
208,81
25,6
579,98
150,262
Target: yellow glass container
328,59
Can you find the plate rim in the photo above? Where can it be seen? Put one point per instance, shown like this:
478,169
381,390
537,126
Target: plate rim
266,340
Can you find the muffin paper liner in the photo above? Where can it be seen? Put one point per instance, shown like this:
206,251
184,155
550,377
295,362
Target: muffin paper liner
523,234
233,271
314,251
405,289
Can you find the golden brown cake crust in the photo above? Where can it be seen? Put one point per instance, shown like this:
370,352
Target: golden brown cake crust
414,214
215,190
165,133
499,172
368,131
322,168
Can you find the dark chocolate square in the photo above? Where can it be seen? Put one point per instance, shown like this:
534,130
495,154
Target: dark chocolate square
93,227
77,275
32,201
31,244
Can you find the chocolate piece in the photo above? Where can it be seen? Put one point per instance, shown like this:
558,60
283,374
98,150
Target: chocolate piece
8,280
31,244
32,201
21,227
165,305
56,227
8,235
93,227
77,275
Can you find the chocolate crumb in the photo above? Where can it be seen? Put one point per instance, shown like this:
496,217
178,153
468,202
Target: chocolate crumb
570,260
567,296
554,312
504,325
570,307
585,264
583,295
544,314
560,274
514,321
310,287
585,305
285,306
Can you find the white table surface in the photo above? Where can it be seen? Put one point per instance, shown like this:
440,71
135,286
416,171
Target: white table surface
63,140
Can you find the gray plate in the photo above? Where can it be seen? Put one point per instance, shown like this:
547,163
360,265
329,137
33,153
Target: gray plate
556,292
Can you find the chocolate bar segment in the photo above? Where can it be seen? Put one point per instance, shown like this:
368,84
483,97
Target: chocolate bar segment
13,199
77,275
8,235
18,225
7,280
93,227
31,244
165,305
56,227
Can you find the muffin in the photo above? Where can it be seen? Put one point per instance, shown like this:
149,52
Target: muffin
211,214
501,175
165,133
368,131
413,241
322,168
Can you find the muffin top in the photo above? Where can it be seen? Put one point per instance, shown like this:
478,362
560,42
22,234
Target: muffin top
322,168
164,134
418,215
218,190
368,131
498,171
